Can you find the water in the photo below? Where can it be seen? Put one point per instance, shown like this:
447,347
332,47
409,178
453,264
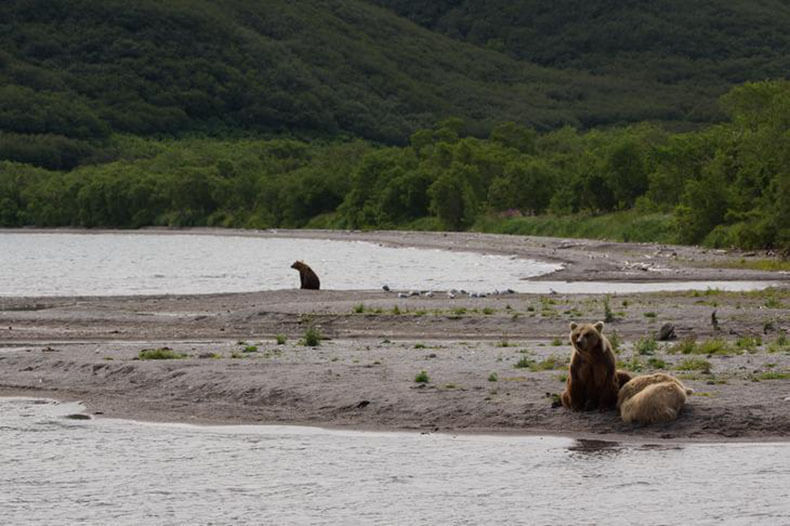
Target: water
61,471
61,264
124,263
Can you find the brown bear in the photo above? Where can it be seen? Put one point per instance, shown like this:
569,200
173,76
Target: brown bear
593,381
308,278
652,398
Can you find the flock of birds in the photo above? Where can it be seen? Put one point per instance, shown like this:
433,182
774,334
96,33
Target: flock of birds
452,293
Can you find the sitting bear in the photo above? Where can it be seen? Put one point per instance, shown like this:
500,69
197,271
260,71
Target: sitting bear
593,382
307,277
652,398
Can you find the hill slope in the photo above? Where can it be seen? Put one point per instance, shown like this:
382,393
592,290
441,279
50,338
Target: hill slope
74,71
706,43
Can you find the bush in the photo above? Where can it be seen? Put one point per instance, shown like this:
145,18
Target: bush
312,337
164,353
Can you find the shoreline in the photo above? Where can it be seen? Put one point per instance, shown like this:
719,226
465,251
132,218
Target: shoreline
362,376
609,440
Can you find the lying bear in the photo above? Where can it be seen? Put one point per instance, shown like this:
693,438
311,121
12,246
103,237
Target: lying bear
307,278
593,382
652,398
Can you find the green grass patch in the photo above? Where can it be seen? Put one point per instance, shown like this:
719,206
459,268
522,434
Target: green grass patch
635,364
280,339
163,353
359,308
708,347
556,342
646,346
749,343
250,348
781,344
311,338
524,363
493,377
771,375
656,363
694,364
422,377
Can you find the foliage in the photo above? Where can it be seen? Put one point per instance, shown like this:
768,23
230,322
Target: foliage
164,353
312,337
726,185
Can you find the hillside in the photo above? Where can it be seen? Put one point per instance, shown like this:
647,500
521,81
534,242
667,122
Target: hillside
705,43
75,71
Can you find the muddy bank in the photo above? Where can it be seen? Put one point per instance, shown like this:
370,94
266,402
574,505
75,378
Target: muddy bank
493,363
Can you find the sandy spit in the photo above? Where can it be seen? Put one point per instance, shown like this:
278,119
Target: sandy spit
362,375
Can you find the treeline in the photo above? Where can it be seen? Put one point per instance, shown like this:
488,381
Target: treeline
727,185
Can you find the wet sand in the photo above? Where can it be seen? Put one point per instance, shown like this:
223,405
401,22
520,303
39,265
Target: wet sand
362,374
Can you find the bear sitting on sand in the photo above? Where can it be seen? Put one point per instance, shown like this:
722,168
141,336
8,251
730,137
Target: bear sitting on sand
652,398
308,278
593,382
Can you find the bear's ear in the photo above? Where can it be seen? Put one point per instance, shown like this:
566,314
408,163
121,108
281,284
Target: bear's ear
599,326
573,325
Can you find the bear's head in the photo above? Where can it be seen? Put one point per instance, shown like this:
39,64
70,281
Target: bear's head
298,265
586,337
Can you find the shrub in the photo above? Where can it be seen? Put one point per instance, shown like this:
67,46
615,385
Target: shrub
281,339
646,346
694,364
312,338
493,377
422,377
164,353
524,363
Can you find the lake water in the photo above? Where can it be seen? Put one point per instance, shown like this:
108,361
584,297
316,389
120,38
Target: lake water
67,264
61,471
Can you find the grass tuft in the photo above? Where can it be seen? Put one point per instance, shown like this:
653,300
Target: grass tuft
164,353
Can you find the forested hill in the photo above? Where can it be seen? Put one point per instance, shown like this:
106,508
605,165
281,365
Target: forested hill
710,44
72,72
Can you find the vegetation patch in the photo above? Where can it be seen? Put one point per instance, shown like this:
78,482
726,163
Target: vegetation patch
646,346
311,338
163,353
694,364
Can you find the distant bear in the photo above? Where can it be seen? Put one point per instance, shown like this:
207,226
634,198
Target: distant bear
307,277
652,398
593,382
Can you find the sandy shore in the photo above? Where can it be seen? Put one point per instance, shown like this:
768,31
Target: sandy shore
363,374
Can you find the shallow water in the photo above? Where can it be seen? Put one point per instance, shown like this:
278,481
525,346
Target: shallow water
45,264
62,471
71,264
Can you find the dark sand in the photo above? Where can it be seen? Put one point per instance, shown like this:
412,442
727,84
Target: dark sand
362,376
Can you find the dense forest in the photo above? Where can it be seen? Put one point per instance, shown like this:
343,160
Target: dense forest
399,115
704,43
